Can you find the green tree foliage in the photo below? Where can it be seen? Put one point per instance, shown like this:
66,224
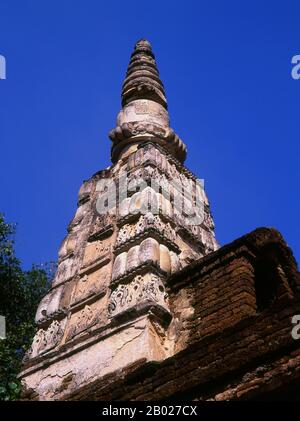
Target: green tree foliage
20,294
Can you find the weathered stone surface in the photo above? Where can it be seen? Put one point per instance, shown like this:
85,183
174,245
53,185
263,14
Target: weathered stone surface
119,268
91,284
164,259
132,260
149,251
148,288
46,339
84,319
134,344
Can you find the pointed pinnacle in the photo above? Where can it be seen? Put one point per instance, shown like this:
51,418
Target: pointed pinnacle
142,78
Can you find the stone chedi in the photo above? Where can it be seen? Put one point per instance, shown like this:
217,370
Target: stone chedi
144,303
108,305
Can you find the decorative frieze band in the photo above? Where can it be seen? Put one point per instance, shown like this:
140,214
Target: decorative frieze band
147,288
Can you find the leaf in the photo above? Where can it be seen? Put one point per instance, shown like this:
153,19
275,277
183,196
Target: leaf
13,386
20,294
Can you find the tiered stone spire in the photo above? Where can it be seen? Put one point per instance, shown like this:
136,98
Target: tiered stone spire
109,305
142,78
144,115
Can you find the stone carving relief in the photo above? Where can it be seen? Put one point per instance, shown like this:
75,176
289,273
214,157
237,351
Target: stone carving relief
126,232
182,210
146,288
149,221
49,307
66,270
161,168
100,224
140,203
177,185
83,289
95,251
151,108
84,319
163,135
148,252
154,221
150,154
45,340
91,284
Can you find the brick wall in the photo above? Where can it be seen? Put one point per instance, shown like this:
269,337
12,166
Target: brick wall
232,316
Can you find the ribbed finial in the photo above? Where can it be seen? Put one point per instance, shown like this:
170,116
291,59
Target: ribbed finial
142,78
144,116
143,43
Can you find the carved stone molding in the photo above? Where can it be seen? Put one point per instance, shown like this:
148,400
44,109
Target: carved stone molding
102,227
148,225
143,288
148,252
84,319
151,152
46,340
130,132
96,251
90,286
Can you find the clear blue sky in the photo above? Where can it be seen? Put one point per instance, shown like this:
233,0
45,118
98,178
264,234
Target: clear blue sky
226,67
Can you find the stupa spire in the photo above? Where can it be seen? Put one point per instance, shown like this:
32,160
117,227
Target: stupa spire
142,78
112,306
144,116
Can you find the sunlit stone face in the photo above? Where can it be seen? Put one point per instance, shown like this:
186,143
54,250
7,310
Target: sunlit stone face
143,110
